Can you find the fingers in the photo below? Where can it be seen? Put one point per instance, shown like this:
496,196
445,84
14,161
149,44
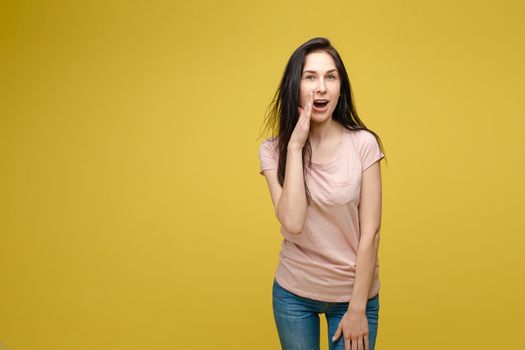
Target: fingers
337,332
352,344
360,344
310,103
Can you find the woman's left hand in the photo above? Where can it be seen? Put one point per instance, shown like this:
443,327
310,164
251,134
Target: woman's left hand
354,326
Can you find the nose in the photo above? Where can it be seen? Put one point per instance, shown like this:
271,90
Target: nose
321,87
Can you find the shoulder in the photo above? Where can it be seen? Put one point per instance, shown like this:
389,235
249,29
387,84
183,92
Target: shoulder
269,145
368,147
363,136
365,140
270,141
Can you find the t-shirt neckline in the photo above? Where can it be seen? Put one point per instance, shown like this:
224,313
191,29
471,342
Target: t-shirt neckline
337,156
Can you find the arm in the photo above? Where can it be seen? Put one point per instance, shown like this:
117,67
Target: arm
370,224
290,200
354,324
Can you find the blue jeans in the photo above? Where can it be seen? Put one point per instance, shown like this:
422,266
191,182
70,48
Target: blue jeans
297,320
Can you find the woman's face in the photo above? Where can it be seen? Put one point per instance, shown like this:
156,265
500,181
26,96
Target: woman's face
320,74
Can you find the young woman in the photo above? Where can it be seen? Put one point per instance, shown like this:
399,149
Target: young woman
323,173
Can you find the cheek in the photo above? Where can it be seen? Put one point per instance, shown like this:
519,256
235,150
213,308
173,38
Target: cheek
336,88
336,93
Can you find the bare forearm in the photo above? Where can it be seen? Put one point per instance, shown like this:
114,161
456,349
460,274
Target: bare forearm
291,209
366,264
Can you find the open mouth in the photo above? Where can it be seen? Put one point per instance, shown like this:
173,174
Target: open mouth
320,105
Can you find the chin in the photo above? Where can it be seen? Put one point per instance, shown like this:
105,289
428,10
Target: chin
320,118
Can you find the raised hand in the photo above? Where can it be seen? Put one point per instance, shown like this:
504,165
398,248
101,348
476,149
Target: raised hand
302,128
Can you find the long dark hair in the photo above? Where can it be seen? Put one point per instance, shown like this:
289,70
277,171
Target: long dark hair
283,112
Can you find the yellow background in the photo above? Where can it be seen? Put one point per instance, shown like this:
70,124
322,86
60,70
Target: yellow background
132,214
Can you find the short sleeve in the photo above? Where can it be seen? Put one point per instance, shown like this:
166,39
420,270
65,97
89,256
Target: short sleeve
369,149
268,155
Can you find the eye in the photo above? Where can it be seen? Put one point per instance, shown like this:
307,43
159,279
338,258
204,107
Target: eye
309,76
332,76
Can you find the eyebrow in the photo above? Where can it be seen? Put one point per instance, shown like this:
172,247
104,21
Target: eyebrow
312,71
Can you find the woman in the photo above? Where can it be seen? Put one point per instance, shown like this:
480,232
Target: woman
328,205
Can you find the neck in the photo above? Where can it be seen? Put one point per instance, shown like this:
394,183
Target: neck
321,132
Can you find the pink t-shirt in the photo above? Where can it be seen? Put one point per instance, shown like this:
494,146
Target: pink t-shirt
320,262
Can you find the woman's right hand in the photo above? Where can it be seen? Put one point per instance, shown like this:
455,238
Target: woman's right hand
302,128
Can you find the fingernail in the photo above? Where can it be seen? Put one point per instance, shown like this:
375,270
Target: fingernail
333,338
